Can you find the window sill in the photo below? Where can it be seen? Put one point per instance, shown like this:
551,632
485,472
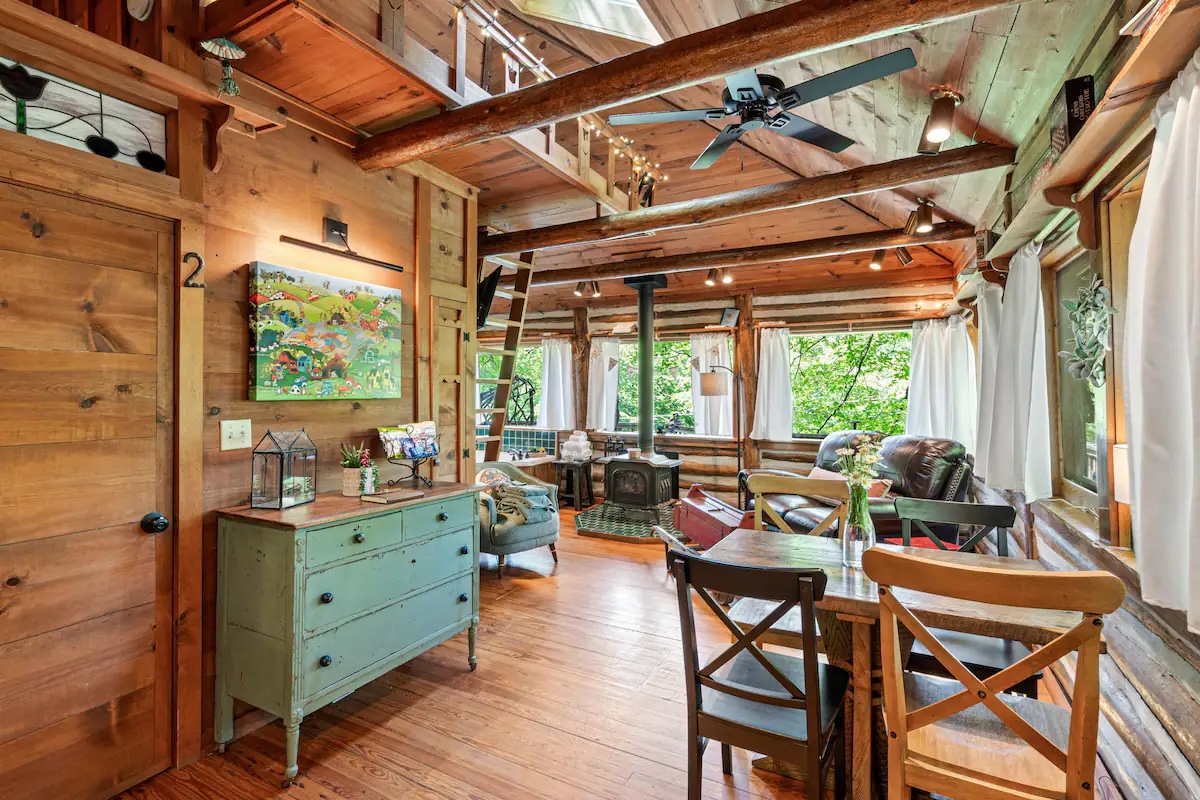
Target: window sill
1084,525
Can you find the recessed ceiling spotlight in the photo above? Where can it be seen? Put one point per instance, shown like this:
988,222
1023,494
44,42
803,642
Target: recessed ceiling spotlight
940,123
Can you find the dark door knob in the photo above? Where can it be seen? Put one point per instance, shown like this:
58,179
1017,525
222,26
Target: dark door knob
360,537
443,516
325,661
327,597
462,598
464,550
155,522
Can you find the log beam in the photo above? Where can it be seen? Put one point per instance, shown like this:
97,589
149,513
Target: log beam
789,31
755,256
756,200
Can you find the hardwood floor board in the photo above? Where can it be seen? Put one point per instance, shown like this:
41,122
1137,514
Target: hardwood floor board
579,695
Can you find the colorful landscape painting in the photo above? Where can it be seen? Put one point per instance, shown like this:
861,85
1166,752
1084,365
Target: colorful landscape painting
314,337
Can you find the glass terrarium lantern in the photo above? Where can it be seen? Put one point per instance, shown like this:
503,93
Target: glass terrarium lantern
285,470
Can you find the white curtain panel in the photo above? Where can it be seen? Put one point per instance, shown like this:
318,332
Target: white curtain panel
1162,355
942,392
1018,450
556,408
714,415
603,364
987,311
773,409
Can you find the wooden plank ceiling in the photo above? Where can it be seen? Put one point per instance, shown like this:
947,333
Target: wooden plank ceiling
1007,64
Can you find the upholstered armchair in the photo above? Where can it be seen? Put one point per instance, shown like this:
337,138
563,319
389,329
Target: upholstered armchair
500,536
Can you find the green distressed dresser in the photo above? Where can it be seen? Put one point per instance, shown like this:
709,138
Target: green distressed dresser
317,600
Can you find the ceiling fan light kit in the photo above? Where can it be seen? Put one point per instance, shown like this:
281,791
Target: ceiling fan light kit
762,101
940,123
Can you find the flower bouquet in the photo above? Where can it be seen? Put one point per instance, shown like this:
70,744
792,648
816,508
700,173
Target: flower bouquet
857,463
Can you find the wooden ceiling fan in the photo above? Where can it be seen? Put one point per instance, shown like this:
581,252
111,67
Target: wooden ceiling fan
762,101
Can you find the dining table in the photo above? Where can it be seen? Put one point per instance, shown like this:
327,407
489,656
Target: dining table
848,617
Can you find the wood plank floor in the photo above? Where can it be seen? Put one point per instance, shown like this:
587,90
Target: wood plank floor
579,695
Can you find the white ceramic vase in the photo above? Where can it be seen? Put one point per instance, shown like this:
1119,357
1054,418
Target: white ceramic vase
355,478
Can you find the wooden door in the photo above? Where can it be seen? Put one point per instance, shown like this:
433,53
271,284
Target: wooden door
86,410
454,407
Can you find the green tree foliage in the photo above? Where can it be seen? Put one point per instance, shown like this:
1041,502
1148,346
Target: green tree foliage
528,366
850,380
672,385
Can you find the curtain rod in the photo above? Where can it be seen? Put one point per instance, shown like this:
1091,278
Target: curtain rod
665,331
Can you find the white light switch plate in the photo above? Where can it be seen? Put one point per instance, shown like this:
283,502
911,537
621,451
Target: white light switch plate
235,434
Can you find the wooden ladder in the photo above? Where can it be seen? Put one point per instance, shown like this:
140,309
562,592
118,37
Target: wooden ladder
512,326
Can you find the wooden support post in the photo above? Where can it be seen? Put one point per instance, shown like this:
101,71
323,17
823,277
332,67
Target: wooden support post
581,348
752,256
584,150
756,200
423,322
460,53
610,187
512,73
746,352
468,392
391,24
485,72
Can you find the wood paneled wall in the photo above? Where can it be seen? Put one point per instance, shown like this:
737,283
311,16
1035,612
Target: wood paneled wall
283,184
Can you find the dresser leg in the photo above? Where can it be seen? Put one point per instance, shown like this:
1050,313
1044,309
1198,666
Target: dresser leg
293,753
224,721
472,633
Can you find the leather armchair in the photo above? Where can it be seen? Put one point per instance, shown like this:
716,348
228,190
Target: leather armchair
499,535
917,466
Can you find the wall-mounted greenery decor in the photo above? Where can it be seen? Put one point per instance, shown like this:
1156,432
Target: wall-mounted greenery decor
1089,314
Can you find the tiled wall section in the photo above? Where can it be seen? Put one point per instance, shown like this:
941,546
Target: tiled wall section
520,439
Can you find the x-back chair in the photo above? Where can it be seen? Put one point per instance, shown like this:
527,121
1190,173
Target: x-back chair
987,518
761,484
963,738
779,705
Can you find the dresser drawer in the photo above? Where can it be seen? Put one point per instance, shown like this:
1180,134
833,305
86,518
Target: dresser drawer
347,649
334,594
351,538
430,519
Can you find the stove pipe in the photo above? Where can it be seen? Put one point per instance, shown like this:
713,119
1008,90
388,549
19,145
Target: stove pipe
646,284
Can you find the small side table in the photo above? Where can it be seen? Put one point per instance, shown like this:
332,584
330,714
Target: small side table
574,479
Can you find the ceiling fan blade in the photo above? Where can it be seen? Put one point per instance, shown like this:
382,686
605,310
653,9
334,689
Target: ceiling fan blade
808,131
718,146
847,78
685,115
744,85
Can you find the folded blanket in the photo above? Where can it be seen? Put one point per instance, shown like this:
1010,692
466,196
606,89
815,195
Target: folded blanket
524,515
525,503
513,489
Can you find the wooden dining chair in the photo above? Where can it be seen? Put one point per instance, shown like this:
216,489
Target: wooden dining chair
983,517
983,655
760,485
963,738
782,706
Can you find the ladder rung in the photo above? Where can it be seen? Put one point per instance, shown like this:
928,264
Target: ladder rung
489,411
508,263
494,322
494,351
488,438
510,294
497,381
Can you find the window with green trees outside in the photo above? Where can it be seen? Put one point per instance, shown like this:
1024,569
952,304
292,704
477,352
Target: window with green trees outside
529,367
672,387
844,381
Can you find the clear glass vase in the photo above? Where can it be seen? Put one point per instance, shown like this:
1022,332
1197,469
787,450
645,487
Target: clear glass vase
859,533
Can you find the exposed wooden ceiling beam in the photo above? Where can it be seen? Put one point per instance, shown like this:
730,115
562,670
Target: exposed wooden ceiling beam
752,256
758,199
789,31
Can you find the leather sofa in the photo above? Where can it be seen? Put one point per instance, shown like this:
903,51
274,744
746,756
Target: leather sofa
931,469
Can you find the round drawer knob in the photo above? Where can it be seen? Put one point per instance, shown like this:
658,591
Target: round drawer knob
325,661
327,597
462,598
443,516
464,550
359,538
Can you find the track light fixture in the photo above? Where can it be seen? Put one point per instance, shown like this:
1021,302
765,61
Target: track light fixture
711,278
903,256
726,276
924,215
581,288
910,225
595,288
940,123
877,259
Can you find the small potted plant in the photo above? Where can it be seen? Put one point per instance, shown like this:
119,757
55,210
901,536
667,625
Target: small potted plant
359,475
857,463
